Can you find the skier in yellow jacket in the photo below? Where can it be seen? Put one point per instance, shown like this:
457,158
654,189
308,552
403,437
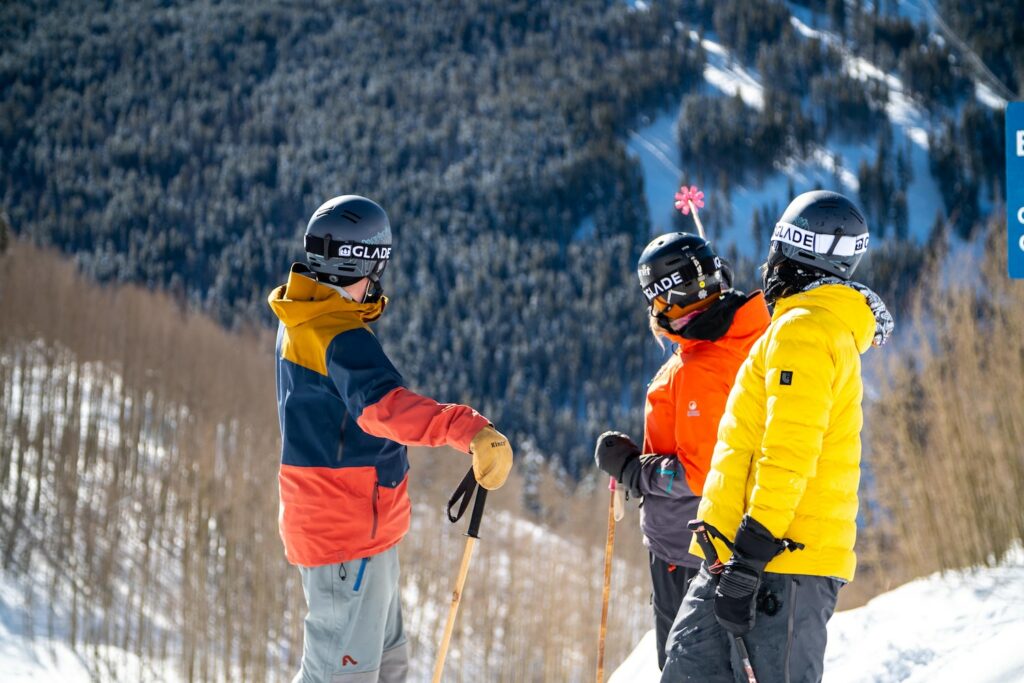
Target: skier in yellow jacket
779,505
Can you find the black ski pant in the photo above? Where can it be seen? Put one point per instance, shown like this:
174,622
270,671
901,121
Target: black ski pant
786,645
669,584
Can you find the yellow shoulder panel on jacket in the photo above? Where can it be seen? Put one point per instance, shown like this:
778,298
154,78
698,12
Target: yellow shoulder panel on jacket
306,345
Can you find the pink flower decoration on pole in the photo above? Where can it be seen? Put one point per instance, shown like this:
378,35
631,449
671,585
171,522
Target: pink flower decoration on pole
688,196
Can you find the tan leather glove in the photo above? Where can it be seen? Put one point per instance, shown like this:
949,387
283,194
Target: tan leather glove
492,458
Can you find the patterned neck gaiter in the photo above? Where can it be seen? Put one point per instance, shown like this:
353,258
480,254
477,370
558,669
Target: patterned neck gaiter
884,324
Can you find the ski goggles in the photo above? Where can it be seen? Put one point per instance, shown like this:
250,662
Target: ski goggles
661,308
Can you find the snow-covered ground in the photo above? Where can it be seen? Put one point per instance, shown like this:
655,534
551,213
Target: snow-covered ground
34,645
951,628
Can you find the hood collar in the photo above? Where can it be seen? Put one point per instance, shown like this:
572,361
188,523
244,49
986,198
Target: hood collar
846,303
303,298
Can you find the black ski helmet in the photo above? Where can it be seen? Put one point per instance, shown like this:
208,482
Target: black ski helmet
678,270
349,238
822,230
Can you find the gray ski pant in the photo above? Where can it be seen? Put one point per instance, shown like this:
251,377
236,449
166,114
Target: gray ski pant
786,645
353,630
668,583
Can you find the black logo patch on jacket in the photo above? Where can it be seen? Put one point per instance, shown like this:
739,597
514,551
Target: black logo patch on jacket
786,378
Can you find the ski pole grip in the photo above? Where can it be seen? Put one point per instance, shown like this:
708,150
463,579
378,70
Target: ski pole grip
700,532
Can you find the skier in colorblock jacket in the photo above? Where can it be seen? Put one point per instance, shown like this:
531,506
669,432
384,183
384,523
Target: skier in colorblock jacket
778,515
691,303
346,418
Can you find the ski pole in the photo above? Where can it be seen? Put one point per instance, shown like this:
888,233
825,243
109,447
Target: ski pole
615,512
741,647
620,500
689,199
465,493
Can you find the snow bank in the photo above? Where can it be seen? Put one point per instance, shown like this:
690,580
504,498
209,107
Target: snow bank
960,626
30,653
964,626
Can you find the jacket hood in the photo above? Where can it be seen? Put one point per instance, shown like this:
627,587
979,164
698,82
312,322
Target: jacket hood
749,322
844,302
303,299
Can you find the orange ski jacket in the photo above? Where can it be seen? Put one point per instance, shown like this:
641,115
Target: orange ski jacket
685,402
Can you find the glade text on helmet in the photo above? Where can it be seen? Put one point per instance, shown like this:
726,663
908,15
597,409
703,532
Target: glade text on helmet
364,251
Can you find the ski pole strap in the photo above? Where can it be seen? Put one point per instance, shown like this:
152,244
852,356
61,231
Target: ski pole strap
463,493
478,513
703,532
461,497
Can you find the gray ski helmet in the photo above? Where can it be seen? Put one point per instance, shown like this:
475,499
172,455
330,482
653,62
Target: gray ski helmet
679,270
823,230
348,238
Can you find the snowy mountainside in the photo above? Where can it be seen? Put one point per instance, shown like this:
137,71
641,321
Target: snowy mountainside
832,164
944,628
54,623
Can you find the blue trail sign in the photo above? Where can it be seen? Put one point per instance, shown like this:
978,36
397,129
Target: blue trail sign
1015,187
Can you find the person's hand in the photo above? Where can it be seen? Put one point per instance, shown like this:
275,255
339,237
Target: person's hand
736,594
492,457
617,455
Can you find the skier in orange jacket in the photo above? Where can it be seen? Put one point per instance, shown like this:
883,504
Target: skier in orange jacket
692,304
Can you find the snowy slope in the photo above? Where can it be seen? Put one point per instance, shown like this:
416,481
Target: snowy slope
34,646
962,626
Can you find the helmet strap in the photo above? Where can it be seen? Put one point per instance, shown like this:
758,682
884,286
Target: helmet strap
374,290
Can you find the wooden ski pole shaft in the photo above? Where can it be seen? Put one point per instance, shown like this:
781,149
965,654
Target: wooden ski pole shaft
467,555
606,592
453,611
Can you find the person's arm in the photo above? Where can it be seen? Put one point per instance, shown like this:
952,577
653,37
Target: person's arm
415,420
375,394
799,371
661,475
643,475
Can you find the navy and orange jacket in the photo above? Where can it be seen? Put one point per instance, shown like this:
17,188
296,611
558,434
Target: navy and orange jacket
346,419
685,402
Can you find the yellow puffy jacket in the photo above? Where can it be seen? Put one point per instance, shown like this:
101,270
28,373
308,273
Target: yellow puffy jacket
788,451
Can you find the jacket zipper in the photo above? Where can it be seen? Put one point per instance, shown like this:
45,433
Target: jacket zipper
373,529
789,626
341,437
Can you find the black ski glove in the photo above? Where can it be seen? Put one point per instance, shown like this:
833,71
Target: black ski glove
617,455
736,594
